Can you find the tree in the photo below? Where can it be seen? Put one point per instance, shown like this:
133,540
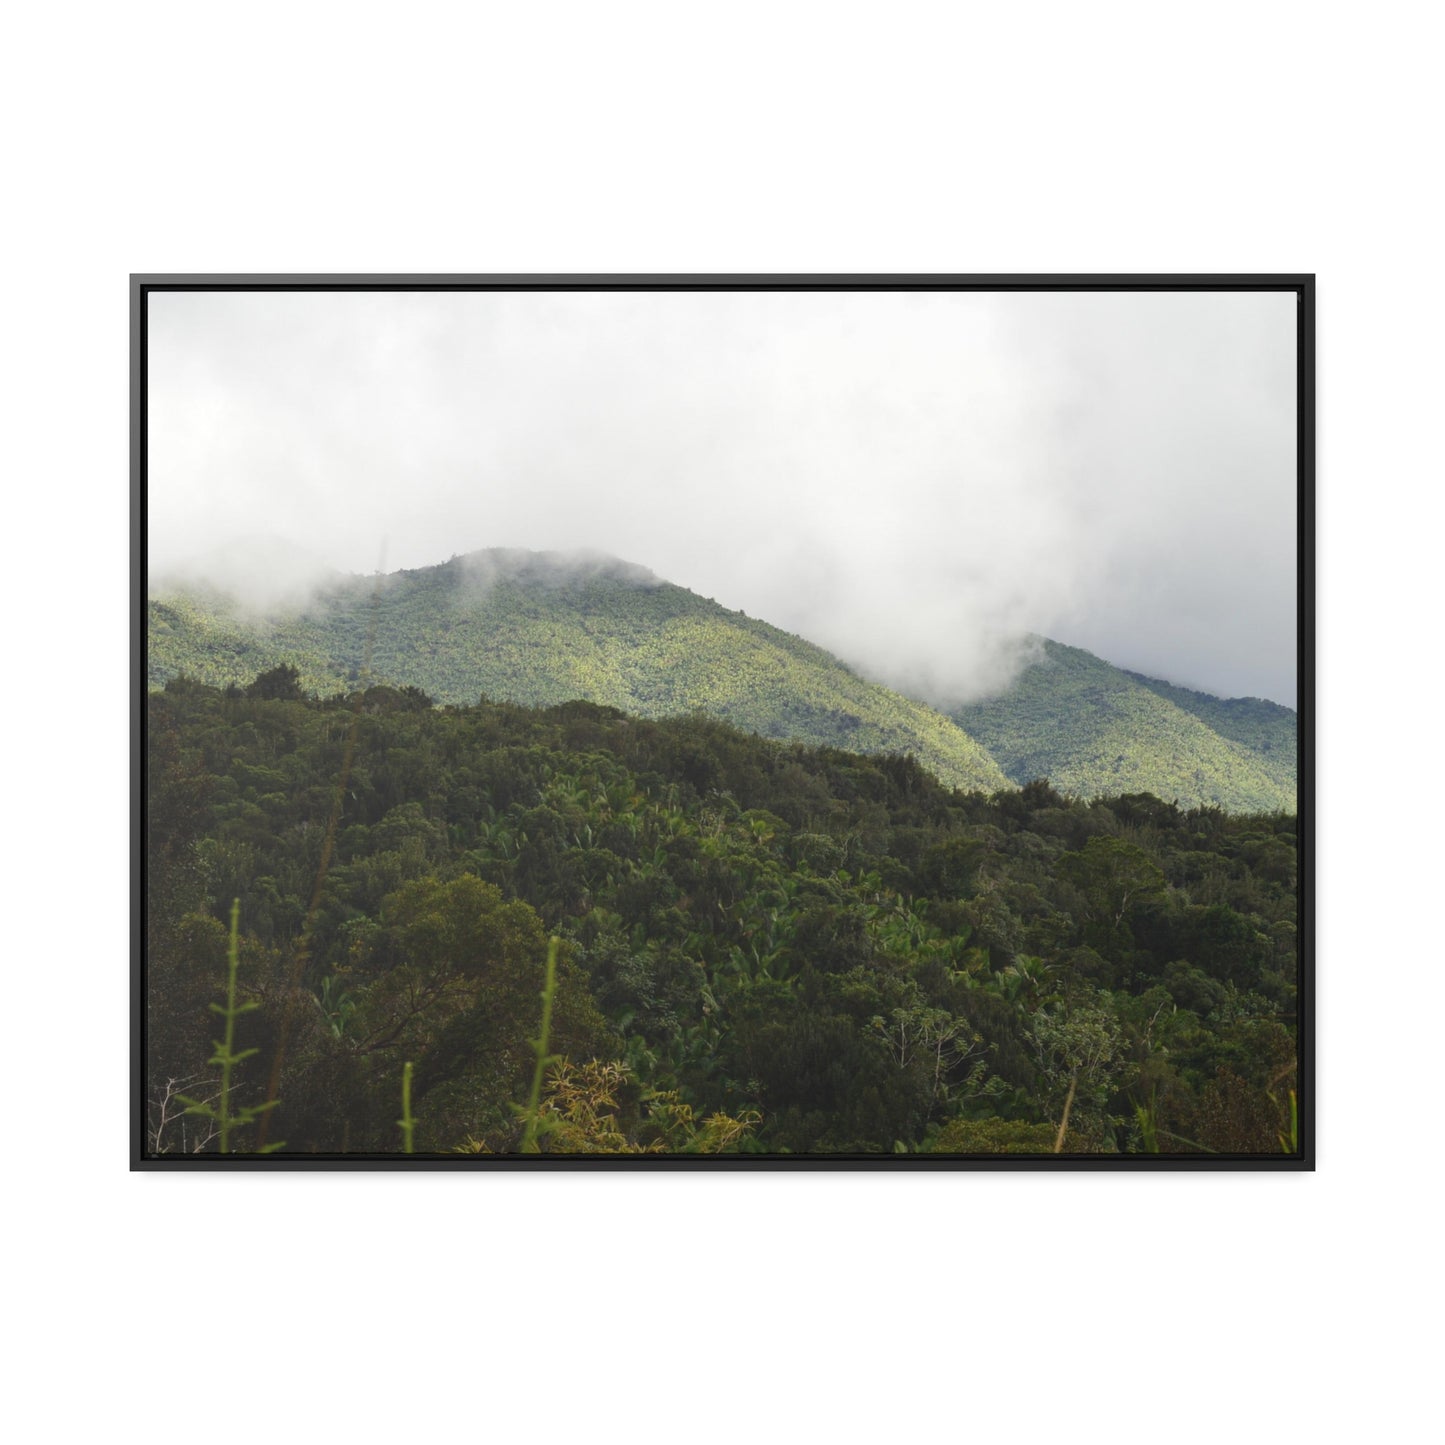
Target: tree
178,791
282,683
1081,1059
1115,877
935,1041
464,999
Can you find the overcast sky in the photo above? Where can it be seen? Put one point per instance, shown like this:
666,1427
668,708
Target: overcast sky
911,480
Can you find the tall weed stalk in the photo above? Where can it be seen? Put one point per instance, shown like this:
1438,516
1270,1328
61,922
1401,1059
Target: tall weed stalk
406,1123
534,1125
227,1056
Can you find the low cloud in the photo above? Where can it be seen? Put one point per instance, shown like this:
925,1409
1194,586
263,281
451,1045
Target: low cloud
262,573
917,482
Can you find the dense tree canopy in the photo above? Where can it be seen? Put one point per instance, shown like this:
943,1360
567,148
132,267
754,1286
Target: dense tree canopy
766,946
1093,728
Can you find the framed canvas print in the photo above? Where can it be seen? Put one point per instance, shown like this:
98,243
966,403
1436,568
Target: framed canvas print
722,721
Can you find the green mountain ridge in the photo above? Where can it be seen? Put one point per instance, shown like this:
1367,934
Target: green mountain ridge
1092,728
545,628
541,629
1267,729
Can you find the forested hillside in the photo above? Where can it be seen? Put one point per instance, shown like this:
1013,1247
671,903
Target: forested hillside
1091,728
542,628
1269,731
538,628
765,946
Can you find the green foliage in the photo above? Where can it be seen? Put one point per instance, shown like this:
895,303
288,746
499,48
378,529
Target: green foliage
1116,879
587,1110
1093,729
407,1124
1147,1123
281,682
540,630
1289,1141
532,1114
759,945
1082,1063
224,1113
1269,731
995,1136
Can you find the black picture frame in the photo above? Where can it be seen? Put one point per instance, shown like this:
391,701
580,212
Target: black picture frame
144,285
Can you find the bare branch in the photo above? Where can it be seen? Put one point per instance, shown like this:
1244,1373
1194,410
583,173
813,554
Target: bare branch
169,1110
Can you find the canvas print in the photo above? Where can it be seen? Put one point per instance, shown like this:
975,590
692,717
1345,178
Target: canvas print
805,721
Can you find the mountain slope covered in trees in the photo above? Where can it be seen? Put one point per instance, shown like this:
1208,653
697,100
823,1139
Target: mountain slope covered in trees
1091,728
1266,729
539,629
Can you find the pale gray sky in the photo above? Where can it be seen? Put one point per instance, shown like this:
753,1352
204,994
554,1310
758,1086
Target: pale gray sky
911,480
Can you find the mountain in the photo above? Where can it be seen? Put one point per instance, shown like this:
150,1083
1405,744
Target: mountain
1267,729
1092,728
543,628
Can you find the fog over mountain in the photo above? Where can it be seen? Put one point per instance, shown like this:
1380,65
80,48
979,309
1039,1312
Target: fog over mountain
914,481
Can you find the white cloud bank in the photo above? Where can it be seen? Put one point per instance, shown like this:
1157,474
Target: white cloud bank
912,480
